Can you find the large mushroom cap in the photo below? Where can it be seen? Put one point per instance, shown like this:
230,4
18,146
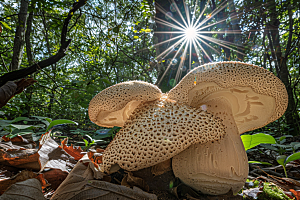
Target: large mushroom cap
112,106
256,95
156,131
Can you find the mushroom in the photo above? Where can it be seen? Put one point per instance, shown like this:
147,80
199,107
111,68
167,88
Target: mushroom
198,123
112,106
245,97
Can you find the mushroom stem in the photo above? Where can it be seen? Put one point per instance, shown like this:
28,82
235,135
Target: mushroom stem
215,167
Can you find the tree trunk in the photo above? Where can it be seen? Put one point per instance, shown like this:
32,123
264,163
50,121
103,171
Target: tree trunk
19,40
291,114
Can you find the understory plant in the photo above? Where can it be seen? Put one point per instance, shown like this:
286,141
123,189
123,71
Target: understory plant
273,144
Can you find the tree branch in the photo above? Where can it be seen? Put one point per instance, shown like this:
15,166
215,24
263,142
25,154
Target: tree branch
14,75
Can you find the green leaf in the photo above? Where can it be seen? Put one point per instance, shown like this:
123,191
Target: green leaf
86,143
251,141
60,121
257,162
280,159
292,157
105,80
5,25
21,126
20,119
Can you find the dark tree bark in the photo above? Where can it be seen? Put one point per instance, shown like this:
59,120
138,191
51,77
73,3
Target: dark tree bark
281,60
27,38
19,40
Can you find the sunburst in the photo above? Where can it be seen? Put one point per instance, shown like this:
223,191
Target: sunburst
190,35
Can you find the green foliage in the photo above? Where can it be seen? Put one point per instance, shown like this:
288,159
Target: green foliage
251,141
60,122
103,52
283,160
38,126
272,192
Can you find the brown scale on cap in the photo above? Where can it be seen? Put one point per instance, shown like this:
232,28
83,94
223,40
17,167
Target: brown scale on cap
157,131
112,106
257,96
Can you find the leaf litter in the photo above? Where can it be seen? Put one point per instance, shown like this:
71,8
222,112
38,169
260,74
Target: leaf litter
67,172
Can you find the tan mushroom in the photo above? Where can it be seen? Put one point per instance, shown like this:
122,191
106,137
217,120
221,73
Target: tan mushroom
199,125
245,97
157,129
112,106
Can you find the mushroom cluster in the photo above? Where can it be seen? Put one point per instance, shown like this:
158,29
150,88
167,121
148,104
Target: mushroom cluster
197,124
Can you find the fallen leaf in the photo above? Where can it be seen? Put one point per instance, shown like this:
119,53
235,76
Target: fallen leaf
103,190
54,157
19,141
129,180
253,192
78,178
22,176
20,157
55,177
25,190
73,151
96,158
296,193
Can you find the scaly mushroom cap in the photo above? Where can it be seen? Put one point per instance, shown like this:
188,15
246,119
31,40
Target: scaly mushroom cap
257,97
157,131
112,106
215,168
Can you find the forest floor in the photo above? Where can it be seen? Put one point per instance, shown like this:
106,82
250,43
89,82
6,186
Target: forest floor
68,172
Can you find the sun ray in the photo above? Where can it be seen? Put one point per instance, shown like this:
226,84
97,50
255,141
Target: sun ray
191,32
202,49
208,45
163,22
165,13
187,13
201,14
211,15
171,62
181,63
178,11
170,48
219,42
216,41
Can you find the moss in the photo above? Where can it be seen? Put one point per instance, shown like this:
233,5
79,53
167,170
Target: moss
272,192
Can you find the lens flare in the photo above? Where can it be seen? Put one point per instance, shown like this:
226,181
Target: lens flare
193,32
190,33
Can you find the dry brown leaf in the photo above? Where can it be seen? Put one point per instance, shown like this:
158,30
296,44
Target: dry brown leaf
55,177
78,178
71,150
9,146
22,176
161,168
107,191
296,193
19,141
20,157
54,157
26,190
129,180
